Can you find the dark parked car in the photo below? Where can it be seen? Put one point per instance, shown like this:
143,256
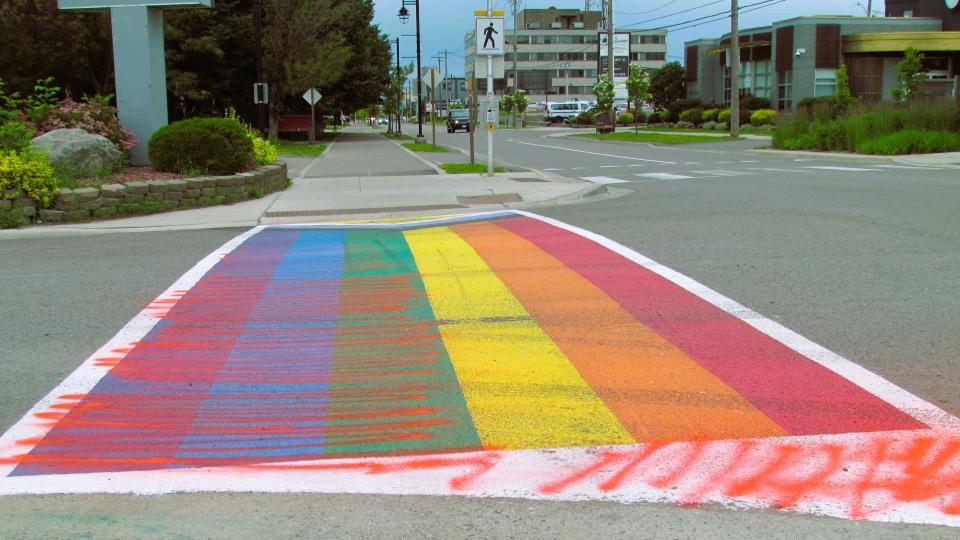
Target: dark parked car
458,119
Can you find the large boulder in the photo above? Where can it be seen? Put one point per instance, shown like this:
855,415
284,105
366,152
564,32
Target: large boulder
80,153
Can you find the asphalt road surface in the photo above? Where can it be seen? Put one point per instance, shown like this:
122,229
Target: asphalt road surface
860,256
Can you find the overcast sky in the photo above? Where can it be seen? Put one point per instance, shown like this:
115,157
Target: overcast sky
443,23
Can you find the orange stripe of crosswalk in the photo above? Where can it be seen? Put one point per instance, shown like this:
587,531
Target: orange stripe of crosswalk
655,390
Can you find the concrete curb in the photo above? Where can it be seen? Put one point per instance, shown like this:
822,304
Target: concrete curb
918,160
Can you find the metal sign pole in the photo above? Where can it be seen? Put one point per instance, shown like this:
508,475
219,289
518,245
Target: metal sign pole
489,101
433,104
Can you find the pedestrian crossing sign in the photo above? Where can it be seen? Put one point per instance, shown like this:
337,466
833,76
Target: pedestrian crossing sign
489,36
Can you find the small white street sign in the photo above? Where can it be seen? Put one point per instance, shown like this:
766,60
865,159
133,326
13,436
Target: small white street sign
489,36
312,96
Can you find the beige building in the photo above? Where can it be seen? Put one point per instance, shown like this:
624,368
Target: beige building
558,54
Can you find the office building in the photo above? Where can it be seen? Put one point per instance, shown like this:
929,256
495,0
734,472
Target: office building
797,58
558,54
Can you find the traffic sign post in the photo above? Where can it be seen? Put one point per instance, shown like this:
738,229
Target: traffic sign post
489,39
313,96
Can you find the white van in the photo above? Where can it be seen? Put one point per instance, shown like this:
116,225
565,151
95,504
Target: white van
558,112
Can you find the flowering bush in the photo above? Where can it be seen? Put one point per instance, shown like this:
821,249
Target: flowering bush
29,172
265,151
94,115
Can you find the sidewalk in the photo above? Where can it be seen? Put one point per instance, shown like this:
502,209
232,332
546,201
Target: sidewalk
361,176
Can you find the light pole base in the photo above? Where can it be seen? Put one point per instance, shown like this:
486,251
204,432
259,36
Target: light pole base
421,139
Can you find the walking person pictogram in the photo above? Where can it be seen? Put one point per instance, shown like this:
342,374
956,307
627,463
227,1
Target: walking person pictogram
488,33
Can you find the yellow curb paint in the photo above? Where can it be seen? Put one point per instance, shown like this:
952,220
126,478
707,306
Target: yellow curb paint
521,390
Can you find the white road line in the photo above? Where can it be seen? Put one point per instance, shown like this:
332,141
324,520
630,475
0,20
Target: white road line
637,165
610,166
664,176
724,173
805,159
692,163
748,161
847,169
604,180
909,167
553,169
593,153
772,169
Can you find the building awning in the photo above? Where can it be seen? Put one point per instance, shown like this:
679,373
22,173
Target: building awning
744,45
882,42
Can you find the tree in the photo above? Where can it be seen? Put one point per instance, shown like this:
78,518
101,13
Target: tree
521,102
393,93
210,59
605,93
842,96
40,40
667,84
910,77
638,87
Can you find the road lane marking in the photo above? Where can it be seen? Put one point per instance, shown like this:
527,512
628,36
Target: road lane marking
593,153
723,173
664,176
604,180
909,167
834,168
773,169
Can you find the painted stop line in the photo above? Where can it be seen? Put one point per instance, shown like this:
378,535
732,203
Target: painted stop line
499,354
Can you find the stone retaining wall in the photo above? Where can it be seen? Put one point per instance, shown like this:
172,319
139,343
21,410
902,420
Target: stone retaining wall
137,198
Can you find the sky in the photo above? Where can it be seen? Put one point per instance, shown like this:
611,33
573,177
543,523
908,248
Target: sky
443,23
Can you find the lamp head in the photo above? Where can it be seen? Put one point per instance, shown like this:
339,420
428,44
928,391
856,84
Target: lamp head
404,14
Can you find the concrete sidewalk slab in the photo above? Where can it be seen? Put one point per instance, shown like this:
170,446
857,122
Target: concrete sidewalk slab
361,151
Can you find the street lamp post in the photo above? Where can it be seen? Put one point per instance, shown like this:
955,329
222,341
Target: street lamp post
404,17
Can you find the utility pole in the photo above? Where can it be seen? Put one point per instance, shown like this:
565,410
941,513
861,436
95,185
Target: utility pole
869,8
433,101
516,80
610,60
734,71
473,114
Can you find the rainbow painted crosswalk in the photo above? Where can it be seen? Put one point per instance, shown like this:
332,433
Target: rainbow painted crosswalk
497,332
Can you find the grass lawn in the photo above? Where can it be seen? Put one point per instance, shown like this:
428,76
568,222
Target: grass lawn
403,136
661,138
468,168
300,149
425,147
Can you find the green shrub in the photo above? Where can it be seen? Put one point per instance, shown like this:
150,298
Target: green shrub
639,116
678,106
753,103
694,116
862,124
912,141
29,172
583,119
12,219
724,116
201,145
264,151
709,115
15,135
654,118
762,117
625,118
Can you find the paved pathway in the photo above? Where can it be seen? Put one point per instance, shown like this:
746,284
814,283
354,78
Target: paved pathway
361,151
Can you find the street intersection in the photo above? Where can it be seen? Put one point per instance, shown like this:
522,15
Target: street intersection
509,354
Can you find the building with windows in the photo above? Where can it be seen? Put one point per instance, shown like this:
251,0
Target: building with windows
796,59
558,54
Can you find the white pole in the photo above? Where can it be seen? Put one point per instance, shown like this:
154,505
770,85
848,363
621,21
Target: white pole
490,100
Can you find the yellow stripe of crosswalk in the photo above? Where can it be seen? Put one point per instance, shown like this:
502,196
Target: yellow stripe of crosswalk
521,390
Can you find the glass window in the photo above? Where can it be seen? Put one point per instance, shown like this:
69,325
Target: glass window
825,83
784,90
